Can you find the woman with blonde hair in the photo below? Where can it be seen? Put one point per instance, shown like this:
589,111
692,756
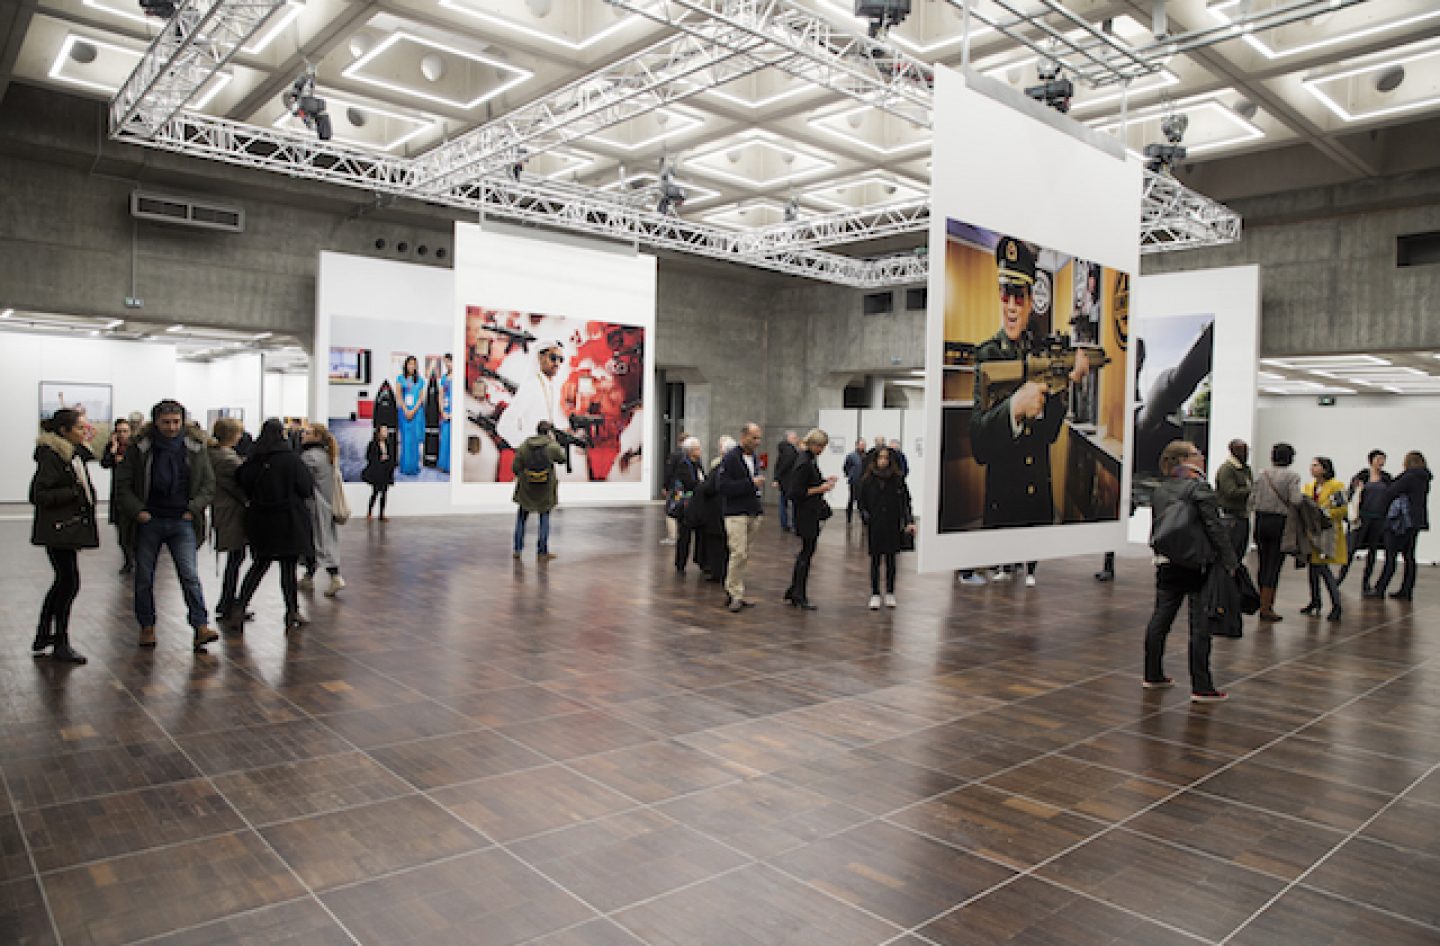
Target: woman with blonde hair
320,453
807,488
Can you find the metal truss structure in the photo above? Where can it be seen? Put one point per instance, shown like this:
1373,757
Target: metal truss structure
1101,58
196,42
716,42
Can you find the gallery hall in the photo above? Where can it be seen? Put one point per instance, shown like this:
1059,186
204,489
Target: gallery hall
719,472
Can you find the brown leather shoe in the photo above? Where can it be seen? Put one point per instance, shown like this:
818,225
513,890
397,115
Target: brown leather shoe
147,637
204,634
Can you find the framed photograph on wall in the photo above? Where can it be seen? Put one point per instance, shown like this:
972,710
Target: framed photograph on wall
92,400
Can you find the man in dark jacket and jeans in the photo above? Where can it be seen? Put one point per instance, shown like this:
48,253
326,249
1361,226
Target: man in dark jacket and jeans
1183,466
786,455
164,486
738,481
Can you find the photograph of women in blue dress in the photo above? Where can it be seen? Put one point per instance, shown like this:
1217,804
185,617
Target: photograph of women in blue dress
412,415
443,461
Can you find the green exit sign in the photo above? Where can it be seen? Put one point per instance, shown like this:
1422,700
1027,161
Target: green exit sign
1326,400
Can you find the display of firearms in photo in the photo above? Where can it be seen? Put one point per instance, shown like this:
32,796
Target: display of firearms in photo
487,424
587,424
1049,362
499,379
567,440
517,336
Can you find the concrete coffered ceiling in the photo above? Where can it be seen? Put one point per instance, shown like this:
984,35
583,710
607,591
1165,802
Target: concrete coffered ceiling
404,76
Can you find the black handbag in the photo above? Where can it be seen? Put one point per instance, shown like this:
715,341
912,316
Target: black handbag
1249,594
1178,536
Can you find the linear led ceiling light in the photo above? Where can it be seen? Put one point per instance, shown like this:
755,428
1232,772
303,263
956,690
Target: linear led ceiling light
672,122
1222,10
798,164
1207,104
978,28
1316,85
278,21
1337,362
63,61
338,106
355,71
838,124
460,6
827,195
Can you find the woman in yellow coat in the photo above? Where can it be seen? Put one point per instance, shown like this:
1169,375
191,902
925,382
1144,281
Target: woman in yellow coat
1329,494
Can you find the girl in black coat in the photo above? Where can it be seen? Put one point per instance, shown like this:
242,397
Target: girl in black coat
379,469
64,502
885,507
276,483
806,488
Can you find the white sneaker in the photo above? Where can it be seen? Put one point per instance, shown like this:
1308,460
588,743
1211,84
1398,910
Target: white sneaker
306,583
974,579
1001,574
336,583
890,601
874,602
1029,581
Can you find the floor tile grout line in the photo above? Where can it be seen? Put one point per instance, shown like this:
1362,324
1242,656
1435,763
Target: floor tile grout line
1074,847
1352,902
304,898
30,856
1300,880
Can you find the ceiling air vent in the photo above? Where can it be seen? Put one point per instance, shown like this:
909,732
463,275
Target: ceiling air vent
187,212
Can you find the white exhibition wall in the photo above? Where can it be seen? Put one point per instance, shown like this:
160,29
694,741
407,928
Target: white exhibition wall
1006,164
286,395
1232,296
1348,430
848,425
536,278
384,306
233,382
139,374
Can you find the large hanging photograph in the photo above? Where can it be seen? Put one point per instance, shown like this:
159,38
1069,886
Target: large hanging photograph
1033,390
1173,361
585,378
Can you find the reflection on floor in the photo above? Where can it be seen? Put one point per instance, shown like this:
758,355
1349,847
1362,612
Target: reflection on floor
466,749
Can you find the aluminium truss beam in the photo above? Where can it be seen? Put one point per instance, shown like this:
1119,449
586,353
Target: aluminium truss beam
194,45
1173,217
667,72
825,54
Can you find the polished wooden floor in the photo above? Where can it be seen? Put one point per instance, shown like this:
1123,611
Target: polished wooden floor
466,749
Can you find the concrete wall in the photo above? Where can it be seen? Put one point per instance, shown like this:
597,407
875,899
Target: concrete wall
1329,279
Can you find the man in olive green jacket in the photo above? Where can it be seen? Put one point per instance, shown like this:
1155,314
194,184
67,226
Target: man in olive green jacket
1234,482
536,486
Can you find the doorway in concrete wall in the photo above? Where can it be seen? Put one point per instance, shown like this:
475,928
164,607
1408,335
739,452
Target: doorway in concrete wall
672,422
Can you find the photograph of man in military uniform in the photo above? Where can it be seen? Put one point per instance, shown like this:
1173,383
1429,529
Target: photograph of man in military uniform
1033,419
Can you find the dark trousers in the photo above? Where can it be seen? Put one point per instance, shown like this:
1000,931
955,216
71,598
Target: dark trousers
1172,586
1399,544
233,560
289,587
381,493
1239,529
875,559
1269,533
853,502
178,535
684,537
63,590
1370,536
125,533
800,577
1321,574
715,555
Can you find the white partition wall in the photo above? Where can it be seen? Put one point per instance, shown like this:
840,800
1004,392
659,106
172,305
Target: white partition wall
1202,321
1034,202
843,428
229,384
520,299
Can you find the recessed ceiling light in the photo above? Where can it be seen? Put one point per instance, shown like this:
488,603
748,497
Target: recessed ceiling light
1324,361
1219,10
1208,103
412,125
1315,85
113,324
7,313
1390,79
175,328
354,71
627,19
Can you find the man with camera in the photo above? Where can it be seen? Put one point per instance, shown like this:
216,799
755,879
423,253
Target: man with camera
537,488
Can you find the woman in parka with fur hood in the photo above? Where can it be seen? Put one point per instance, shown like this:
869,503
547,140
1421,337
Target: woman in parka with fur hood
64,501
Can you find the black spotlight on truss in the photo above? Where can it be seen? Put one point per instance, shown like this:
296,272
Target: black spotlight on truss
882,14
1161,159
672,195
160,9
517,167
305,105
1054,89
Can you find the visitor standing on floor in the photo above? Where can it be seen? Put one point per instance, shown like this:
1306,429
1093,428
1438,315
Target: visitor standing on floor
1208,541
1408,515
809,490
688,475
227,512
739,483
277,485
706,515
113,455
379,469
165,485
668,477
1328,493
320,453
854,471
787,454
65,523
885,507
1234,486
1371,485
1277,496
537,488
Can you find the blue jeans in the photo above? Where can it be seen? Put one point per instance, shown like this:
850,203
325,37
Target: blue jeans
787,512
521,517
179,536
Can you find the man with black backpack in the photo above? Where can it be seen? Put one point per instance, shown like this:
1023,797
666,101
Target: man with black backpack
536,486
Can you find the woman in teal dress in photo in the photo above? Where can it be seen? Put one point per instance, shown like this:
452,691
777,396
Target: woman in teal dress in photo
412,416
446,410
